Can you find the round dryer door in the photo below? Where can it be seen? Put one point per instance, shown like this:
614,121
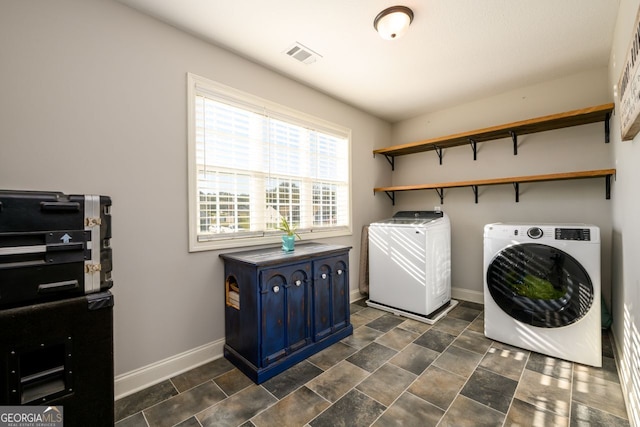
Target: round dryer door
540,285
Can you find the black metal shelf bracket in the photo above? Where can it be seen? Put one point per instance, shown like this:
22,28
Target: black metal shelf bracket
606,127
439,153
474,147
440,192
607,183
475,192
514,137
392,196
516,186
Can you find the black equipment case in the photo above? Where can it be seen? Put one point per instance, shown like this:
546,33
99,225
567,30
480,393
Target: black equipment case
53,246
60,353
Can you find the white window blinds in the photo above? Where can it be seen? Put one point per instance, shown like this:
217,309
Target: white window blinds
254,162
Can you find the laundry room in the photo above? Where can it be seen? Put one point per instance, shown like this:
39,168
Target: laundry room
108,97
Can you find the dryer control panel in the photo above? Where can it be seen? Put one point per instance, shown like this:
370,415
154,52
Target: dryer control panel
582,234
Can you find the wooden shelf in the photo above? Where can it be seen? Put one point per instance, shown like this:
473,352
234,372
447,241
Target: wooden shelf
600,113
515,180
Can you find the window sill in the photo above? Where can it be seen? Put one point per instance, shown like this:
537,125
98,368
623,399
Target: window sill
244,242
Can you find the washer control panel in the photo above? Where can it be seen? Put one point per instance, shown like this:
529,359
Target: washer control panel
582,234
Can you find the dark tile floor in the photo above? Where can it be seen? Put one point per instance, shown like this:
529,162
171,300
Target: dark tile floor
394,372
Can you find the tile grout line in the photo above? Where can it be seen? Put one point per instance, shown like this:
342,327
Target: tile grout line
469,377
406,390
377,369
156,404
431,364
524,368
364,379
573,372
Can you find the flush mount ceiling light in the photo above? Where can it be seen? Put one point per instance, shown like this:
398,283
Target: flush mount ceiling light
393,22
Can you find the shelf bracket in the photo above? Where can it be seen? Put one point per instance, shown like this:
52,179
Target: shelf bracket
439,153
516,186
440,192
391,160
475,192
514,137
474,147
392,196
607,183
606,127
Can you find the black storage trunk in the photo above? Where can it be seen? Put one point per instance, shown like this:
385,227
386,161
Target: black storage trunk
60,353
53,246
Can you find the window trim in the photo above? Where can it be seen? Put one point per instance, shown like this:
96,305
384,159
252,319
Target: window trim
196,84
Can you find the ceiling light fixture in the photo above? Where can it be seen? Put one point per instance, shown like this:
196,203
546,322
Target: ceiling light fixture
393,22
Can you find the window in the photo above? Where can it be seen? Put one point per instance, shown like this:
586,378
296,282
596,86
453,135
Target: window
252,162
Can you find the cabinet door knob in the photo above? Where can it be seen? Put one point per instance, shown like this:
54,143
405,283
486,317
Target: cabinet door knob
298,283
339,272
324,275
276,289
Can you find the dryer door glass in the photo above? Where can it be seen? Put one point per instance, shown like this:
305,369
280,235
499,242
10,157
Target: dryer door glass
540,285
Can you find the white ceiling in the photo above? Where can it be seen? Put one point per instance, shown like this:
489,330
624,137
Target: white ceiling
455,50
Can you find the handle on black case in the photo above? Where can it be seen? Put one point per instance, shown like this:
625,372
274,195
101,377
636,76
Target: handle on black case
60,206
60,247
45,288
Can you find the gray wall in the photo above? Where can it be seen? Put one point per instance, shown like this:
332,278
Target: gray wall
93,101
564,150
626,227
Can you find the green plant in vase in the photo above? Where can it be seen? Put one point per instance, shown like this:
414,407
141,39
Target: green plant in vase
289,238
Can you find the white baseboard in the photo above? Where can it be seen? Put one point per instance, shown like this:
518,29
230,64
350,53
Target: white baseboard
139,379
355,296
467,295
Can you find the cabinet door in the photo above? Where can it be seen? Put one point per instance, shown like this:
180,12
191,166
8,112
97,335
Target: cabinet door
331,293
340,293
298,309
272,318
321,301
285,313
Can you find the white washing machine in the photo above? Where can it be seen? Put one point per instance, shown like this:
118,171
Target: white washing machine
542,289
410,264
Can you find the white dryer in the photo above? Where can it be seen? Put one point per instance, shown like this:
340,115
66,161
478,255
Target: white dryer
542,289
410,264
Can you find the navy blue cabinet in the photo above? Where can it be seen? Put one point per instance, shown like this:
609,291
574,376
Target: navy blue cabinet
283,307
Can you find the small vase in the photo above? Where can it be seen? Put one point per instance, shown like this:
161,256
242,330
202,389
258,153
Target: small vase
288,243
